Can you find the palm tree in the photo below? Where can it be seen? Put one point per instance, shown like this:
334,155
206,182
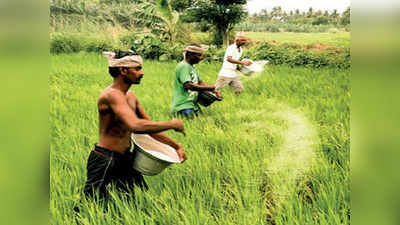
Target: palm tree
334,16
276,12
310,12
345,19
264,15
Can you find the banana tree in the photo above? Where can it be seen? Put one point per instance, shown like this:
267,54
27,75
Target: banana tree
162,20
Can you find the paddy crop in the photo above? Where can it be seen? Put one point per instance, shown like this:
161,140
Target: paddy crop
277,154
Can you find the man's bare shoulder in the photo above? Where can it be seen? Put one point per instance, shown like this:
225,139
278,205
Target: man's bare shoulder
130,94
110,95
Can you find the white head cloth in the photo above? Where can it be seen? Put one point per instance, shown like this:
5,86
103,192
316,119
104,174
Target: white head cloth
192,48
240,35
126,61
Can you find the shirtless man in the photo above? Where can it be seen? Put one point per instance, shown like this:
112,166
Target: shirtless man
120,114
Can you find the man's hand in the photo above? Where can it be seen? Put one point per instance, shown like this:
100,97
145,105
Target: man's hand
246,62
218,94
182,155
178,126
211,86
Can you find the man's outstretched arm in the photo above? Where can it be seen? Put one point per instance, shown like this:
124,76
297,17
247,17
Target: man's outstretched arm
198,87
243,62
117,101
160,136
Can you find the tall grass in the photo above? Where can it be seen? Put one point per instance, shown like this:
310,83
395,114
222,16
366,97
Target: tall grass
289,129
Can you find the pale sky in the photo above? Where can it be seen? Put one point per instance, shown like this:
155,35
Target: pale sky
303,5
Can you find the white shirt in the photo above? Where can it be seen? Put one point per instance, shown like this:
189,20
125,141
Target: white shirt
229,69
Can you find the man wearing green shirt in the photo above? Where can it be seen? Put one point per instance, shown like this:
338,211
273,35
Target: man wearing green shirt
188,83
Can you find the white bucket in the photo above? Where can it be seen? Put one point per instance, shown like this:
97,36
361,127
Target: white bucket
152,156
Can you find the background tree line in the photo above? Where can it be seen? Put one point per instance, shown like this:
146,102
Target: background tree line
297,18
277,15
159,29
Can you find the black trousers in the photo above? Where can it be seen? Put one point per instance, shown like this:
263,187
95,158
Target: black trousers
105,166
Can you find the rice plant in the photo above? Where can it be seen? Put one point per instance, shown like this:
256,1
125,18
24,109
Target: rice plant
277,154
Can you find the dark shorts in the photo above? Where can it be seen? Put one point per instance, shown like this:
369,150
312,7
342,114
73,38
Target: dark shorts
106,167
188,113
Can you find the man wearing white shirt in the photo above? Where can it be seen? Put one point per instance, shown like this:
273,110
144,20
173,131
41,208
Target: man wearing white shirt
227,75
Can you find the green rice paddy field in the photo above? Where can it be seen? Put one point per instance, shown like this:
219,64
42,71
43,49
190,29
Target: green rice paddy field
278,154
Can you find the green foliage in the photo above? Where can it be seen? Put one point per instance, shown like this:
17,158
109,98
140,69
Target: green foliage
150,47
296,55
163,21
99,45
213,54
272,28
296,21
61,43
147,46
222,14
69,43
285,27
320,20
77,11
345,19
119,1
181,5
336,39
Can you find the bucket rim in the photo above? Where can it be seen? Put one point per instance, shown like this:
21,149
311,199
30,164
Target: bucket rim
141,149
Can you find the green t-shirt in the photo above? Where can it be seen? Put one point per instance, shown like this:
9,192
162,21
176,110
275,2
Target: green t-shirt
183,98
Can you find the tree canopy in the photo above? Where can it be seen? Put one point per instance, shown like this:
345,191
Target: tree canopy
223,15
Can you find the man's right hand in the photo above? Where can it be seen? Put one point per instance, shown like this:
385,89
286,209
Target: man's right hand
246,62
178,126
181,154
218,94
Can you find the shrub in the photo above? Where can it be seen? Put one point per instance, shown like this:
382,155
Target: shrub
175,52
272,28
296,55
62,43
98,45
214,54
287,27
145,45
70,43
150,47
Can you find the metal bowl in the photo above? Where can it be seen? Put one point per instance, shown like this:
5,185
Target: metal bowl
206,98
152,156
245,71
255,67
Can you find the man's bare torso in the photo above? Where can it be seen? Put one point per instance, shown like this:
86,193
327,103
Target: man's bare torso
113,133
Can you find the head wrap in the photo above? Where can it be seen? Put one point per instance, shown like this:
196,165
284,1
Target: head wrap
240,35
126,61
192,48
